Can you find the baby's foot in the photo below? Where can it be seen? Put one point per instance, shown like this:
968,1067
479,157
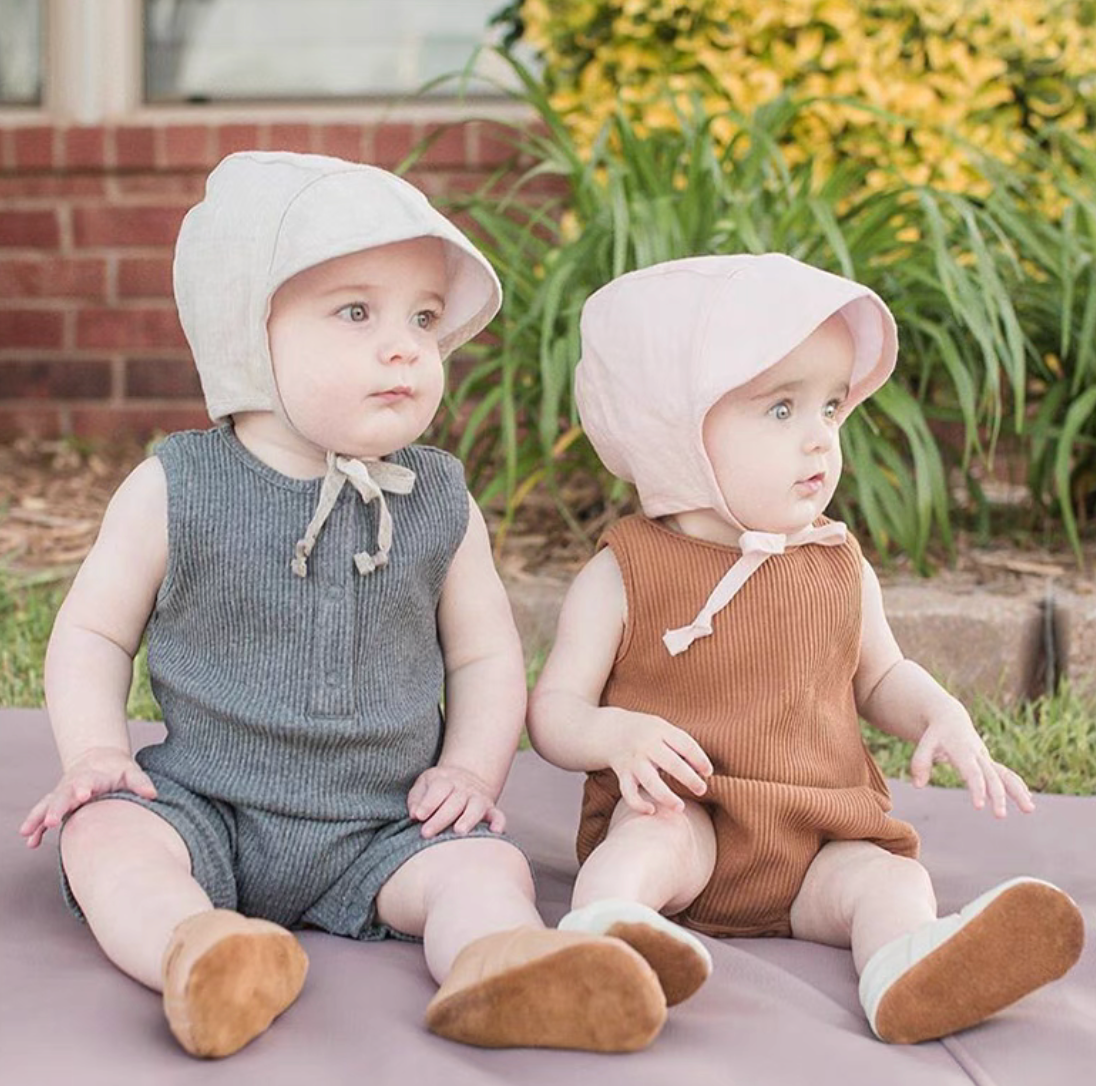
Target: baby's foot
226,978
680,959
957,971
539,988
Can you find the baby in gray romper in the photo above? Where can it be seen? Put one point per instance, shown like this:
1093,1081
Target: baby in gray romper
311,582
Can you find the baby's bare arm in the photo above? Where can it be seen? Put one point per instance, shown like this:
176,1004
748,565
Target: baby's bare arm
484,692
569,726
564,704
89,660
899,697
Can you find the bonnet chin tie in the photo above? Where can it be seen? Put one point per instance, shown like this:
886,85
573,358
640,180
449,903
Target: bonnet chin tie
369,481
757,548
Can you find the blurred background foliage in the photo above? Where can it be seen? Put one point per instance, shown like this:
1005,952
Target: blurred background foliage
902,87
976,223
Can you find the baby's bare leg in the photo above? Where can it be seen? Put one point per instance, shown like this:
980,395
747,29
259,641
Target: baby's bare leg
662,860
650,864
857,894
130,872
456,892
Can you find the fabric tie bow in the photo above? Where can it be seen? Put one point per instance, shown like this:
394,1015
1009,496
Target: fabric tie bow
369,481
757,548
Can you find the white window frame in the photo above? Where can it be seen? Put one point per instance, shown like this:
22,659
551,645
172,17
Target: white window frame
94,74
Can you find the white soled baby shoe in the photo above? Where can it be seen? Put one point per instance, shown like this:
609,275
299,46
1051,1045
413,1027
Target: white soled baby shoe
955,972
680,959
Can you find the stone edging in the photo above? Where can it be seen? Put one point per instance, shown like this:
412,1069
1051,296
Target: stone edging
974,639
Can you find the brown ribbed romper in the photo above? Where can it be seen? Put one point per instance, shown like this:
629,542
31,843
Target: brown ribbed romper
769,697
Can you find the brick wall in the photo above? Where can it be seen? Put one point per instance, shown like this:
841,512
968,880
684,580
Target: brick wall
89,342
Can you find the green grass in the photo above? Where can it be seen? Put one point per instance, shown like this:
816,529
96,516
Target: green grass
1051,742
27,608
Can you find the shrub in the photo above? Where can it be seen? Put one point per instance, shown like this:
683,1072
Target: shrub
996,304
921,87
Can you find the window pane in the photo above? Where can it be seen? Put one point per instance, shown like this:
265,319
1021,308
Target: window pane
20,52
198,50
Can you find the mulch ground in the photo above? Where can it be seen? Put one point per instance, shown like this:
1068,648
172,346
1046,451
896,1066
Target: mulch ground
53,494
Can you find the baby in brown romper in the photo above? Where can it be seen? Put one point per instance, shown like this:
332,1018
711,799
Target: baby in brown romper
713,658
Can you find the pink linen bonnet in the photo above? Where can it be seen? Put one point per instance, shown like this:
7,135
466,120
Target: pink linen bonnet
660,346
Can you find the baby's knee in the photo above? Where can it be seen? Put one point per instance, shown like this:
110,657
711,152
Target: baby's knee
844,877
888,873
94,824
482,862
119,828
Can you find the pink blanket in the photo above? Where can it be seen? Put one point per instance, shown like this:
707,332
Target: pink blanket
775,1011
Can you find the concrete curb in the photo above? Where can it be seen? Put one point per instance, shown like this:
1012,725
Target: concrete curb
975,640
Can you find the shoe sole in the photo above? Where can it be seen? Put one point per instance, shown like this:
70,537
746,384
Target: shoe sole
595,998
234,991
681,971
1029,935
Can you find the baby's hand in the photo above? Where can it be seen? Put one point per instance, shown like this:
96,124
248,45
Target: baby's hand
951,738
446,796
646,747
100,770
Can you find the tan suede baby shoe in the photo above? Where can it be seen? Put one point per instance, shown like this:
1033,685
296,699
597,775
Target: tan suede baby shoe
539,988
955,972
680,959
226,978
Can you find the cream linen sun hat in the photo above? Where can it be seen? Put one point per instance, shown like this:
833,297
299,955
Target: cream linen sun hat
268,215
662,345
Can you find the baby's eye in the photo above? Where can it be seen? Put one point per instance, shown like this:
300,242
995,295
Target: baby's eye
355,311
427,318
832,410
782,410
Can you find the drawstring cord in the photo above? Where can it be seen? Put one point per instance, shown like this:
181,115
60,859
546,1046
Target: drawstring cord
757,548
369,481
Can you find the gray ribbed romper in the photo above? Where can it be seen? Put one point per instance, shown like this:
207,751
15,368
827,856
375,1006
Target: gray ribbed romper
299,711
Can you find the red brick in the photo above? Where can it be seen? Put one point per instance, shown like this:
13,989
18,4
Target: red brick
445,145
126,226
392,143
451,184
29,230
188,145
342,141
56,380
119,329
428,182
237,137
85,148
546,186
144,277
57,277
290,137
31,328
34,148
493,143
162,379
51,186
43,423
182,188
135,148
138,421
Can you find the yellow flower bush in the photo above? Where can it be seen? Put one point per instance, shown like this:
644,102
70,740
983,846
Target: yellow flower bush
919,87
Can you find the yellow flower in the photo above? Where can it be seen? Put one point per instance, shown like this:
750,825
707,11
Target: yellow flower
955,66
